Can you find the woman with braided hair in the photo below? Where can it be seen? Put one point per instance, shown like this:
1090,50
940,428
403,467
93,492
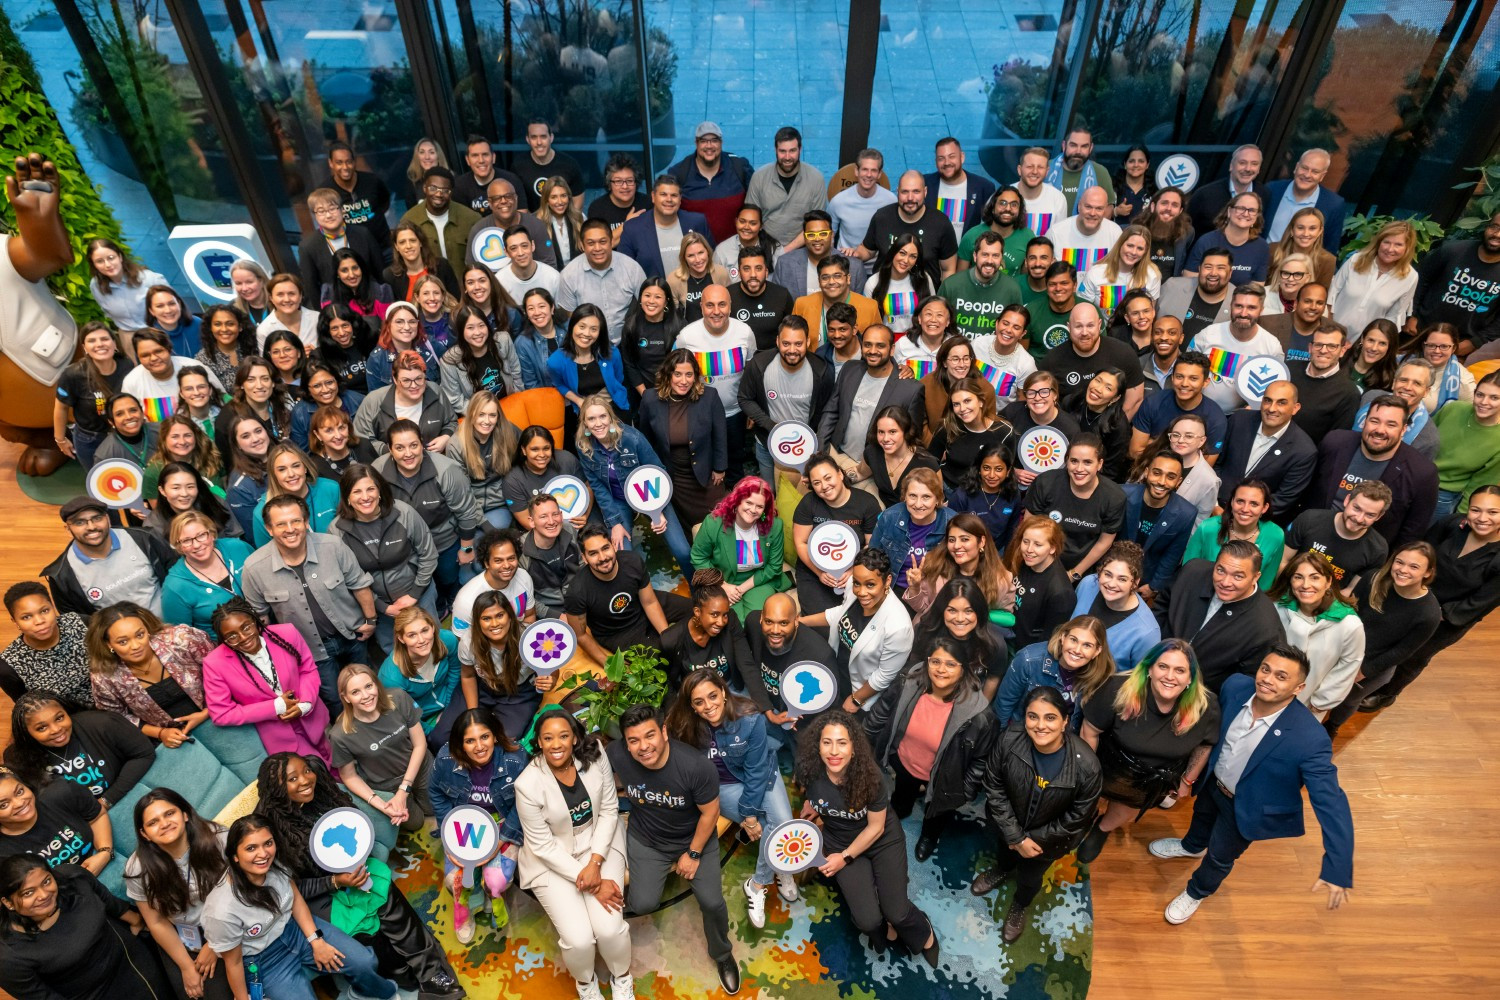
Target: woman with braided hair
265,675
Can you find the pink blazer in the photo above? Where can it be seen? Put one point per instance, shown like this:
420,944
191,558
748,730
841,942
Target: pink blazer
236,694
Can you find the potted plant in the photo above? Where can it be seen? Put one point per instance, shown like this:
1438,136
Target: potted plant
633,676
1359,230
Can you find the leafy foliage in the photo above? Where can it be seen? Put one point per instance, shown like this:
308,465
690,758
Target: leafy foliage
1485,201
1359,230
633,676
28,122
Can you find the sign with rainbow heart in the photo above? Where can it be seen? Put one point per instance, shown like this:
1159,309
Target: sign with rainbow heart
487,247
341,840
1256,375
832,546
791,443
547,644
470,837
116,482
1042,448
648,489
795,846
571,494
808,687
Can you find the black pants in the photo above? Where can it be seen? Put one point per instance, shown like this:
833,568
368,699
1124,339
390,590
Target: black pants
404,941
1029,871
1213,829
908,789
875,887
812,596
736,437
1445,636
214,988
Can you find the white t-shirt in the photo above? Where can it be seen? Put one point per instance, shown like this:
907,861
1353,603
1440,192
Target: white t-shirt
1080,249
1107,295
521,593
1005,371
307,329
953,201
158,396
910,348
192,916
545,276
1226,355
721,359
899,304
229,923
440,222
1045,210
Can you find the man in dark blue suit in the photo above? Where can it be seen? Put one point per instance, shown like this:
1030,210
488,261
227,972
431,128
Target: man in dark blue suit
1304,189
651,239
1158,520
1270,746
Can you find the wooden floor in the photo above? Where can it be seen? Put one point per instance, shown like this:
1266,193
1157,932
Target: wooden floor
1424,783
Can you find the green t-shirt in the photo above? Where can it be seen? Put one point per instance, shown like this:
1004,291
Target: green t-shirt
1070,179
1047,329
976,306
1014,248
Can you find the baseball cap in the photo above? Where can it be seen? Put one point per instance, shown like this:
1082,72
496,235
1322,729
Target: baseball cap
79,504
707,128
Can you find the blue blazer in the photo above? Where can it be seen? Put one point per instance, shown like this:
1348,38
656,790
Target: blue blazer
1329,203
633,450
638,238
1169,535
1268,799
1129,639
564,372
450,784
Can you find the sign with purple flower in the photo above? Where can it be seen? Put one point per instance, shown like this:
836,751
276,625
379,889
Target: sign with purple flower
548,644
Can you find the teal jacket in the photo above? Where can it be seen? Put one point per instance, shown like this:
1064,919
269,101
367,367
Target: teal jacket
431,698
323,507
188,600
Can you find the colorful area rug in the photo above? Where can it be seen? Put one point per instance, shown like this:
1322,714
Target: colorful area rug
809,950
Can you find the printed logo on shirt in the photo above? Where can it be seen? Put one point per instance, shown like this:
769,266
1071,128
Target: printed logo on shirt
716,364
1039,222
1470,293
1003,381
1224,365
1055,335
254,930
619,602
899,304
824,808
644,796
1081,258
1056,515
94,593
65,848
82,771
956,209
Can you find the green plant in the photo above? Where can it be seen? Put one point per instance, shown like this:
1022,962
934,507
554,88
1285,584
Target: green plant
28,122
632,676
1483,203
1359,230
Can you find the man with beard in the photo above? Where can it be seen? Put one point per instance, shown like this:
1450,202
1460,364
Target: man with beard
1039,257
1201,301
713,181
777,641
1346,458
911,214
1231,345
1073,173
952,190
1083,239
853,207
1003,215
1295,329
1459,283
445,224
103,565
979,294
834,287
1158,360
797,270
1172,234
787,189
1208,199
364,196
609,601
1050,313
863,390
1411,383
1076,361
1045,204
758,303
786,383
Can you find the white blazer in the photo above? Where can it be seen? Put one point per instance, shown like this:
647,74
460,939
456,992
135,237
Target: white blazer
881,649
550,841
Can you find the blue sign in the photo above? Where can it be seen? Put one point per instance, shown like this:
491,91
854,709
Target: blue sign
206,253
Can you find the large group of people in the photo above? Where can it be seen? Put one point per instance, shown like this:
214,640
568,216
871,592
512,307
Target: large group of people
349,526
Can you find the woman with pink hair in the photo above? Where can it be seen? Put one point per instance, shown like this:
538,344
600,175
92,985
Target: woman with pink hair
744,539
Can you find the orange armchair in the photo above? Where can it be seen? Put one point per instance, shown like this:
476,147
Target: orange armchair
543,406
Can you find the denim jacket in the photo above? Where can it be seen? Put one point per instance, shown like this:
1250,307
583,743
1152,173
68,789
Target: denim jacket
748,757
1033,667
450,787
633,450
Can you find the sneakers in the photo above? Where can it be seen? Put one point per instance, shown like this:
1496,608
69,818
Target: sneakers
463,923
589,990
1182,908
1015,923
755,902
786,888
622,987
1171,847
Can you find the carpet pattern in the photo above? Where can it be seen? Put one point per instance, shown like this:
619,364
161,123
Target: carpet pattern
808,949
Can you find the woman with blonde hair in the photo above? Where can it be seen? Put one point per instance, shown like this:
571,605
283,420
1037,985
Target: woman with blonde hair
562,218
1378,282
425,155
435,311
1304,235
424,664
1075,660
1126,266
485,445
252,297
1286,279
290,472
695,271
380,751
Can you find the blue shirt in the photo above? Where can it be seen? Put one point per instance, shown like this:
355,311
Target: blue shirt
1287,207
1251,261
1160,408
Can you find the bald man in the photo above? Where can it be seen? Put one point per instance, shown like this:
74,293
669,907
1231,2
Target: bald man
1087,352
1266,444
1305,190
1083,239
910,214
777,642
505,212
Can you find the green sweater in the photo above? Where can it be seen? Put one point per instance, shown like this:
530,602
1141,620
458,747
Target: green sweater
1271,541
716,548
1468,454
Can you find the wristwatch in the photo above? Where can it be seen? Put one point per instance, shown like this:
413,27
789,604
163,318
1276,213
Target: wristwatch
405,786
372,620
695,855
316,935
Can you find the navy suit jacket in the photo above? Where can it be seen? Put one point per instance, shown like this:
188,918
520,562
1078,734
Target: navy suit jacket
1287,468
1329,203
1268,798
638,239
1169,535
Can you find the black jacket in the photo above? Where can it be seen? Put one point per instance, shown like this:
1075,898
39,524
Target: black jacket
967,739
67,592
753,403
1412,477
1237,637
903,392
707,431
1056,817
1203,207
317,260
1287,468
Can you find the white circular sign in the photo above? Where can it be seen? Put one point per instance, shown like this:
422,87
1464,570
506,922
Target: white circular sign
203,261
1179,171
487,247
648,489
571,493
548,644
794,846
832,546
1256,374
1042,449
470,837
341,840
791,443
115,482
808,687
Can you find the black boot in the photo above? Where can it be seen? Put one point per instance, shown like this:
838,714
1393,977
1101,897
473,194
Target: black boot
1093,841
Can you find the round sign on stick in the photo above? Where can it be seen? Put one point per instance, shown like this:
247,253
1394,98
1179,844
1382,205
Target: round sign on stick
832,546
808,687
547,644
1256,375
470,837
341,840
794,846
571,494
648,489
487,247
1179,171
791,443
116,483
1042,449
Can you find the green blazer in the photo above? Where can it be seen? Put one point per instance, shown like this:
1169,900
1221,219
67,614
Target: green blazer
715,547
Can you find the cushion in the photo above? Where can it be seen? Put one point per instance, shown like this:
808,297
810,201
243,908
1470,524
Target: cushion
543,406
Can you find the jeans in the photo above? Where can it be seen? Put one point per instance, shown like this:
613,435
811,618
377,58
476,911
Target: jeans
677,542
1213,828
778,809
338,653
1447,503
284,964
447,575
85,443
763,460
500,517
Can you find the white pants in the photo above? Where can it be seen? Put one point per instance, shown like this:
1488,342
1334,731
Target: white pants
583,926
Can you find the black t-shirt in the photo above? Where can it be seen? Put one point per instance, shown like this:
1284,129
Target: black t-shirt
550,569
805,645
1101,610
580,806
602,208
320,619
75,389
533,175
959,455
1357,557
1019,417
851,626
933,231
1164,256
612,608
1072,371
468,191
691,306
1043,601
1151,734
1048,766
859,512
762,313
1082,520
841,825
61,834
664,802
1199,315
366,205
723,653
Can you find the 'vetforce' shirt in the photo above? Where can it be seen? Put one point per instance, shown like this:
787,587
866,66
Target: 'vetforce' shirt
664,803
762,313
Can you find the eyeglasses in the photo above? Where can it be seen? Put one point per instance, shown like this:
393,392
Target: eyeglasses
623,182
84,520
249,630
185,542
1294,274
1438,348
1184,436
817,234
107,258
414,382
1244,209
328,210
1038,393
504,197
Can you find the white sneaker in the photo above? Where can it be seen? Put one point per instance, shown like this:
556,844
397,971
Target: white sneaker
786,888
589,990
1171,847
622,987
1182,908
755,902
